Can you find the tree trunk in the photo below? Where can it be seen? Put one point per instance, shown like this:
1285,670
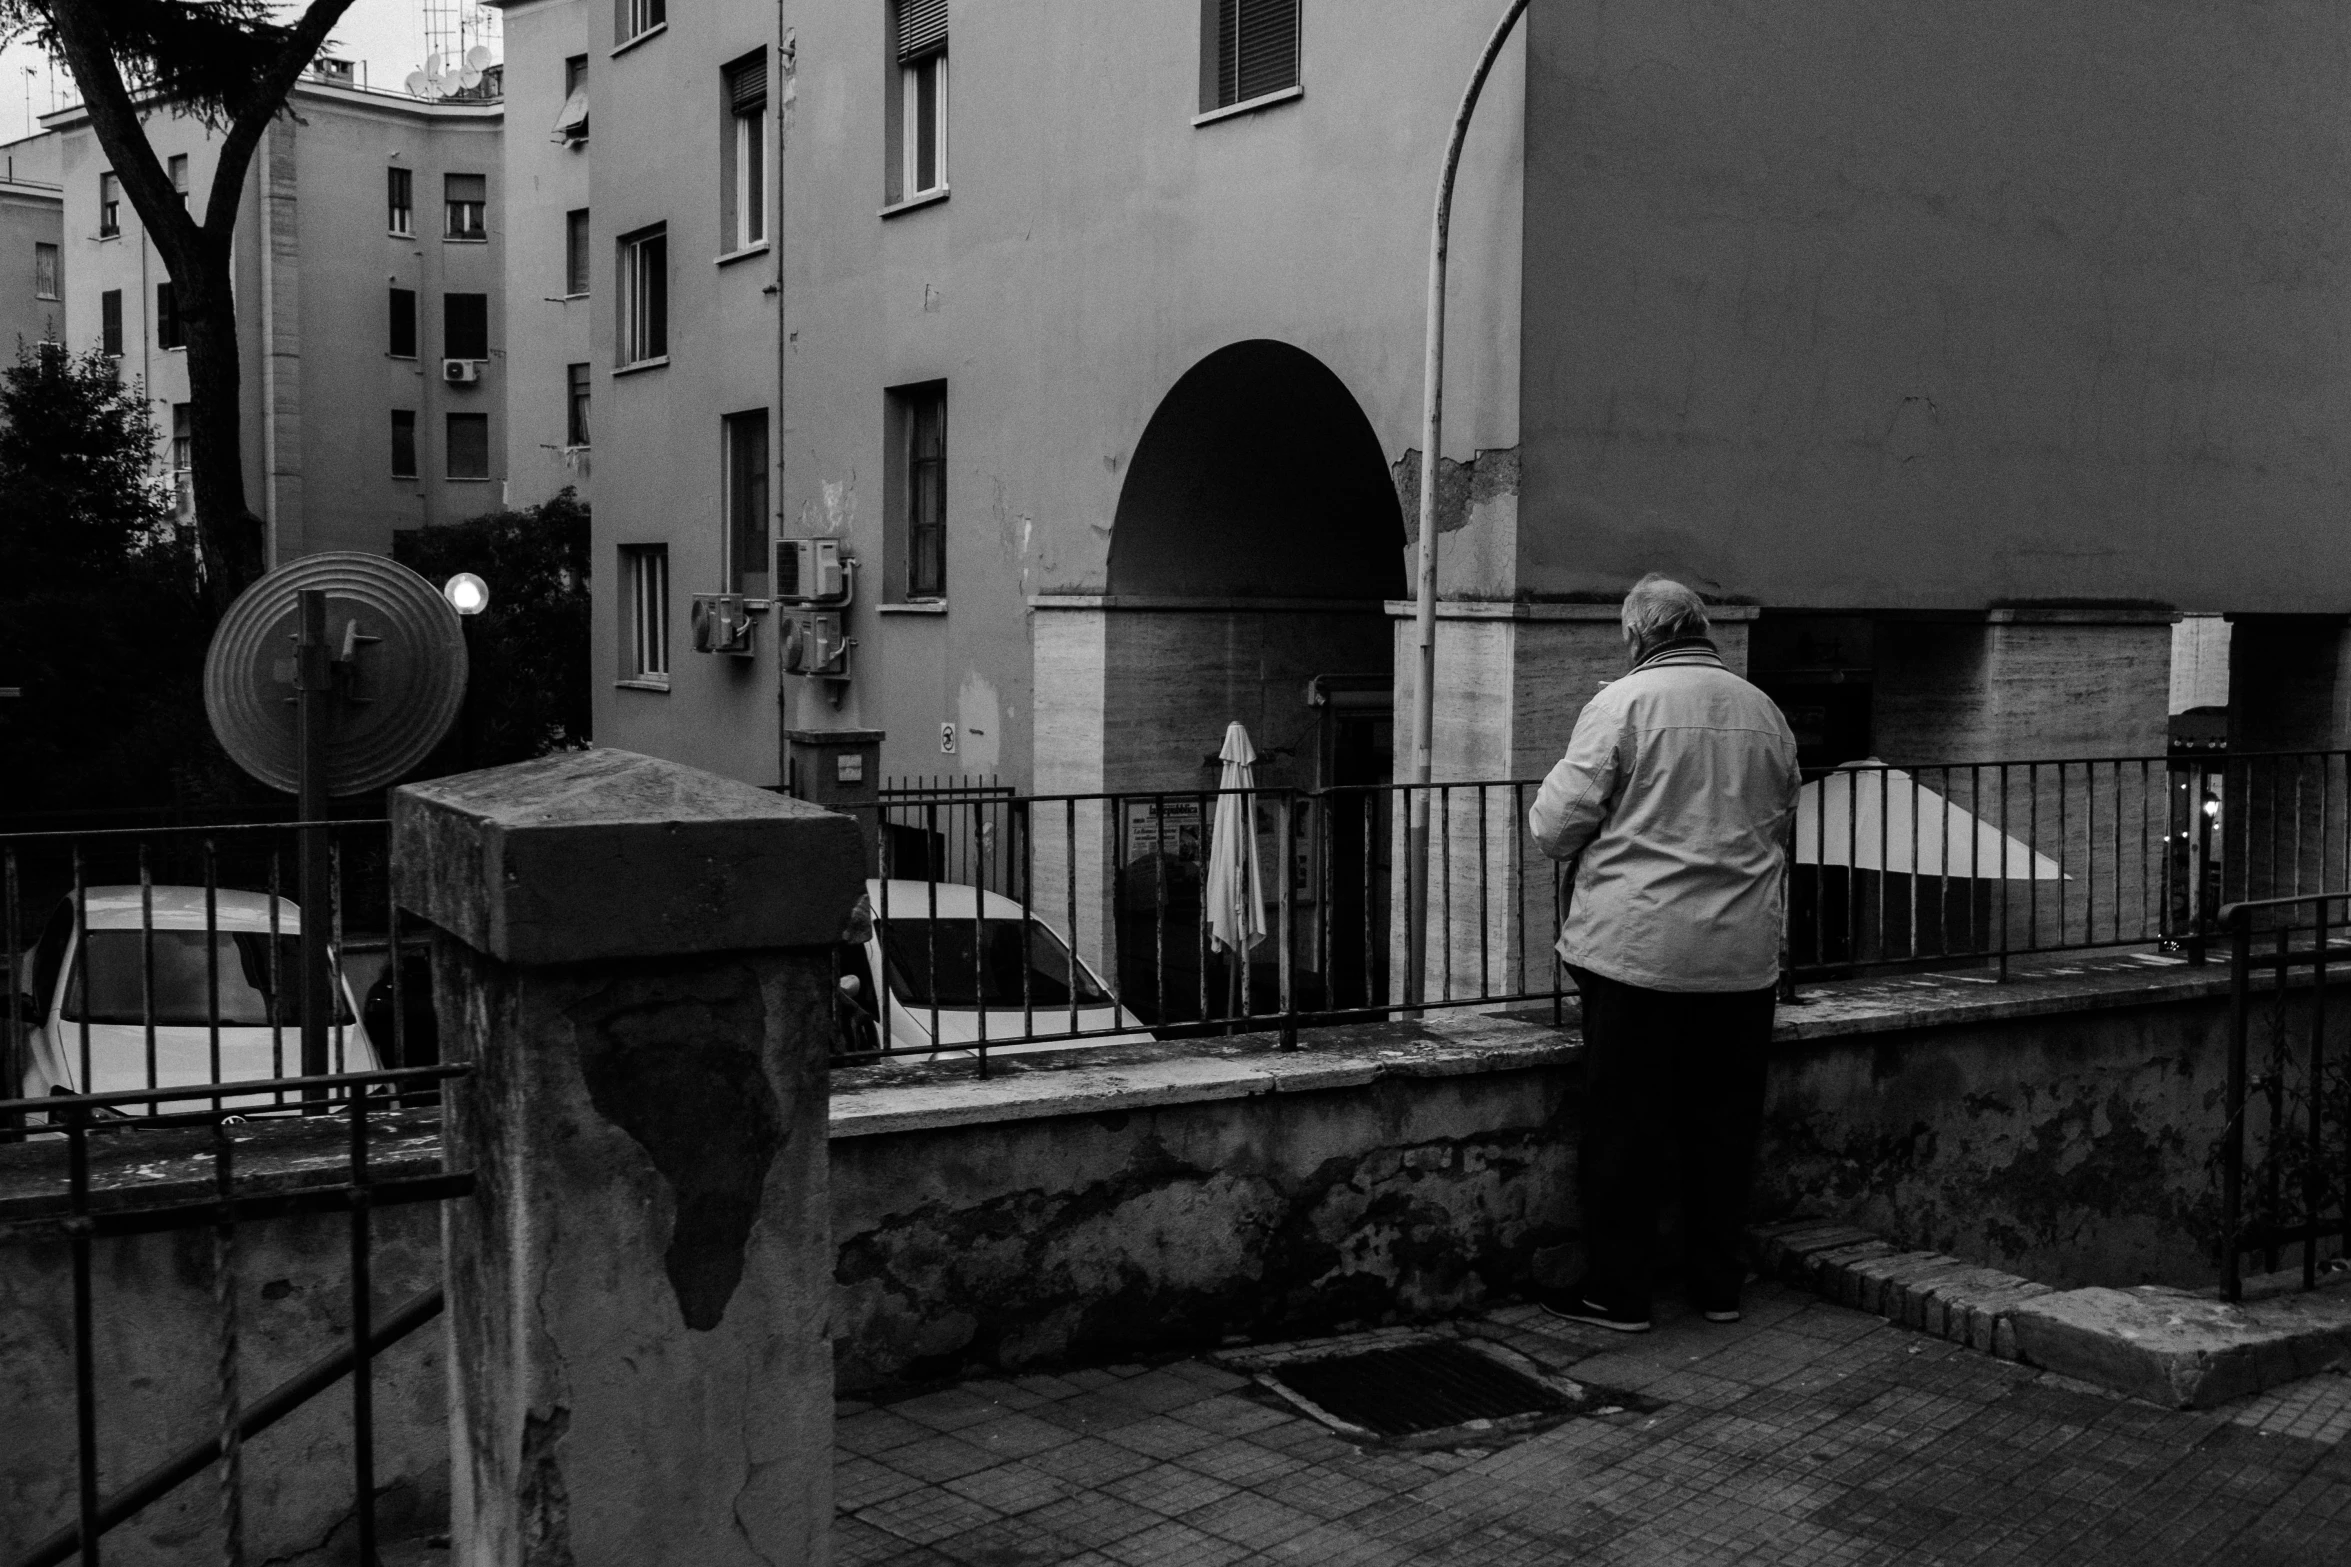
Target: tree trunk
234,543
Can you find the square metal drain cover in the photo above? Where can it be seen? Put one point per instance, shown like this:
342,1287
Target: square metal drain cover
1411,1388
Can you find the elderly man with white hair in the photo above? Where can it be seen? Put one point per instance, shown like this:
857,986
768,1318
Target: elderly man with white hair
1674,800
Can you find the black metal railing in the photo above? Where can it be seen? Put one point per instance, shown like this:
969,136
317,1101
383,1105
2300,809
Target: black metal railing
2291,1195
989,903
86,1213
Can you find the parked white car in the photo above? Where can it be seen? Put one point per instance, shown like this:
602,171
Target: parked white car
982,943
53,973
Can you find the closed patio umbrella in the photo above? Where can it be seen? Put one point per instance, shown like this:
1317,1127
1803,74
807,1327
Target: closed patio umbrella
1236,884
1871,818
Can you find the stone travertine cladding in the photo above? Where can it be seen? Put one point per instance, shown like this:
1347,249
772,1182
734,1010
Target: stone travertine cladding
1273,1212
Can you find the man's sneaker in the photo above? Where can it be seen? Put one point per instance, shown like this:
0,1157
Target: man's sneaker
1571,1306
1722,1313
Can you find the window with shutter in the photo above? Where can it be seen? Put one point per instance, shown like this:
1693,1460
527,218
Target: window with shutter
467,198
918,130
575,251
743,152
643,316
110,322
465,326
168,331
401,343
1255,50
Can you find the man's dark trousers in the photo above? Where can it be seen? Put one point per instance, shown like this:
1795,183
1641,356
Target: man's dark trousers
1659,1062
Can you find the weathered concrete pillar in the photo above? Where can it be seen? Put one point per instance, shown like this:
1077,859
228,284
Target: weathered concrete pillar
633,956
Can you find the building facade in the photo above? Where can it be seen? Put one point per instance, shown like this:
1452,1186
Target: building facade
32,245
1947,356
371,306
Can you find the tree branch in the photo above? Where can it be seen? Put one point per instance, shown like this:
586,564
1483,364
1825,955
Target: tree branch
271,89
120,133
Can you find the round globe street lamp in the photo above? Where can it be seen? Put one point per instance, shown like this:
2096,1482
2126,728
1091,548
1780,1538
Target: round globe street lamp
469,595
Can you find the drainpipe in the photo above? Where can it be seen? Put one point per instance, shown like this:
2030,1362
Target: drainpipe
1424,619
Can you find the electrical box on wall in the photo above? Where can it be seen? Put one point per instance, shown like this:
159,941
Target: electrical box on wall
813,644
722,624
813,571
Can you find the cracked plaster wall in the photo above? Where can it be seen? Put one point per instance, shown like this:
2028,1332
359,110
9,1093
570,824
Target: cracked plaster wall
2072,1150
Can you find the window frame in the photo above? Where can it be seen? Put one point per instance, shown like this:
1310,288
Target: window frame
643,298
109,204
579,388
644,617
171,333
449,424
53,287
176,167
110,322
455,209
400,201
742,157
393,301
451,300
577,236
918,508
1214,104
633,20
404,419
746,491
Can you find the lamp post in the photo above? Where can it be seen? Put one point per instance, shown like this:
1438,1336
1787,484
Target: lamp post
1424,619
469,595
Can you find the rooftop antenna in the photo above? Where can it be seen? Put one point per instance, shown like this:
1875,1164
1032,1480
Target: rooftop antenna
457,36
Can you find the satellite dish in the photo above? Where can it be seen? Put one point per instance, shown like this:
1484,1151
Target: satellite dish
418,87
400,672
477,57
469,78
434,65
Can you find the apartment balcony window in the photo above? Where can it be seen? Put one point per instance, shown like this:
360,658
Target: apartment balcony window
109,206
644,630
467,199
743,153
1248,52
575,388
920,414
575,252
644,297
401,341
918,127
743,450
465,326
469,446
403,443
400,201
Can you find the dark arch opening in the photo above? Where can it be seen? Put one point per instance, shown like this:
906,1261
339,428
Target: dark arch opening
1258,477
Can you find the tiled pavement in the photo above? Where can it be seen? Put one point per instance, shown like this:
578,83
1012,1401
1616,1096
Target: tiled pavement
1806,1434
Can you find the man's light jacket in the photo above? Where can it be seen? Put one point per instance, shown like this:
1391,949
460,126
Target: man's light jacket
1677,790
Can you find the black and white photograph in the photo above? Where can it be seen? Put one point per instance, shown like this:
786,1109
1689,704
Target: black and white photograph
1175,783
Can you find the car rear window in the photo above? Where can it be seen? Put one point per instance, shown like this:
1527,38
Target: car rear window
113,967
994,980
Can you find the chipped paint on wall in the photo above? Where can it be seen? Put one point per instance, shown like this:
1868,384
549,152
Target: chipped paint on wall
979,715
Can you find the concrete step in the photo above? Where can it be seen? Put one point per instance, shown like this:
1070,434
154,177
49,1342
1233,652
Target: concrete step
2172,1347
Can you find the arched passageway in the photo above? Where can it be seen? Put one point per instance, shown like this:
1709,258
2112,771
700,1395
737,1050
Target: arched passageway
1258,477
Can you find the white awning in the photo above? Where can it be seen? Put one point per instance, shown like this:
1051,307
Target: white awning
1900,825
572,124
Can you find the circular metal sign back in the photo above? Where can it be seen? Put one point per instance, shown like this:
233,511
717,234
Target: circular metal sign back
400,671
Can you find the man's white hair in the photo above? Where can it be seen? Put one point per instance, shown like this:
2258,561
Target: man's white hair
1659,609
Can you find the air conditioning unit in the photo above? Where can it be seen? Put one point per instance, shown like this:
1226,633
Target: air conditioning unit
813,645
461,372
722,624
811,571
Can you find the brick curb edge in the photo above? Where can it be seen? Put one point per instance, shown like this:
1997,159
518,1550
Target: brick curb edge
1928,1291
